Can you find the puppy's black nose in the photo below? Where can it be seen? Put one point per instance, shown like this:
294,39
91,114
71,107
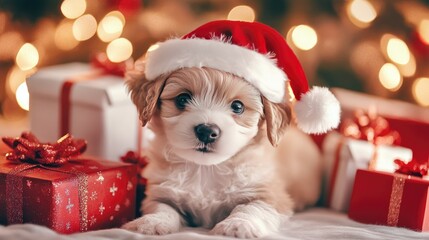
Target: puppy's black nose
207,133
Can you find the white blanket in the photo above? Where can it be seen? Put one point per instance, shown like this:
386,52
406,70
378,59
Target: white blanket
312,224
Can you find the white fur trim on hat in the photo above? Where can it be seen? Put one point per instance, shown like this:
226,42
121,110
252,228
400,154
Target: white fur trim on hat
318,111
258,69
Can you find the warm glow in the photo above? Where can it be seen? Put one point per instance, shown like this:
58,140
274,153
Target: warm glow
398,51
22,96
424,30
73,8
421,90
304,37
361,12
64,39
27,57
390,77
119,50
10,43
111,26
242,13
84,27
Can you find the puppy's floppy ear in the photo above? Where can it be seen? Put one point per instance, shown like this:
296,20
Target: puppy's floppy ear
144,93
277,116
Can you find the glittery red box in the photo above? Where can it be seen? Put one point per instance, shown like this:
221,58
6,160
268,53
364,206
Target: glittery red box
80,195
390,199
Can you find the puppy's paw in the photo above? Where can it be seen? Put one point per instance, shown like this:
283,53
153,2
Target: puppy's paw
237,227
152,224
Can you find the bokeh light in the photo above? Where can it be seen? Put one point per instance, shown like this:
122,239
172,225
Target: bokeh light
84,27
73,8
304,37
64,38
390,77
27,57
242,13
424,31
361,12
398,51
420,91
23,97
119,50
111,26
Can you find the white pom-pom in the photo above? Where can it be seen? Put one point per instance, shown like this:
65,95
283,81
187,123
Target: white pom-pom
318,111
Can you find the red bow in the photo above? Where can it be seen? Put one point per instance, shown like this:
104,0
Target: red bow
370,127
140,161
27,148
412,168
101,61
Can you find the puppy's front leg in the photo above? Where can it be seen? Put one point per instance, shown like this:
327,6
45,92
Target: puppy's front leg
251,220
158,219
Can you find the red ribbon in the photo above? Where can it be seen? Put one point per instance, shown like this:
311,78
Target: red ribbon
102,66
412,168
370,127
140,161
28,148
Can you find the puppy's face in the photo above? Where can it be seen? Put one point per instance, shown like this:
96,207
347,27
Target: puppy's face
207,115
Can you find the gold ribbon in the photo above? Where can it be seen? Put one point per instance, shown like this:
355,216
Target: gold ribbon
395,200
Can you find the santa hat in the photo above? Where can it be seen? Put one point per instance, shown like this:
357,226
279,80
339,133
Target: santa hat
255,52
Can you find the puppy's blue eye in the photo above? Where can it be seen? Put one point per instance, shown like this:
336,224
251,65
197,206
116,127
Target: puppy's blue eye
237,107
181,100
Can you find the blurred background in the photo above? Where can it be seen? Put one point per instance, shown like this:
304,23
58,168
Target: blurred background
378,47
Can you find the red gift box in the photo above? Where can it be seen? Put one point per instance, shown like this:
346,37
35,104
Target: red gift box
390,199
80,195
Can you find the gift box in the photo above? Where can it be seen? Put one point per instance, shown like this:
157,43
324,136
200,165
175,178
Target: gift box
390,199
89,103
42,184
345,152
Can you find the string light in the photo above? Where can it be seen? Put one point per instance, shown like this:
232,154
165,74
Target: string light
27,57
361,13
303,37
84,27
64,38
111,26
390,77
119,50
73,8
22,96
420,91
242,13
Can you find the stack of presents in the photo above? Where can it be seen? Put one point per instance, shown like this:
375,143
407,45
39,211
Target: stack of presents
375,163
88,179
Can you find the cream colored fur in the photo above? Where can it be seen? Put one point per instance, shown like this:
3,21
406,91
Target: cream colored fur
244,188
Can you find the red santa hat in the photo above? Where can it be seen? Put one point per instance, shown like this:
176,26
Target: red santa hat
258,54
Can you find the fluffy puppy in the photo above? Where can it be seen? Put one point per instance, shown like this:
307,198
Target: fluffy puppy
212,162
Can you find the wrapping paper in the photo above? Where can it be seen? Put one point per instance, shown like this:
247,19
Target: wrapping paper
343,156
98,108
81,195
390,199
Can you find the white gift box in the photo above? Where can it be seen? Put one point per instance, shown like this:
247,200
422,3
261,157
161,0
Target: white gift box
353,155
101,111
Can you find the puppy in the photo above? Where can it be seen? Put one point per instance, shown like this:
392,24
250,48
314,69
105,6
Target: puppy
213,161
